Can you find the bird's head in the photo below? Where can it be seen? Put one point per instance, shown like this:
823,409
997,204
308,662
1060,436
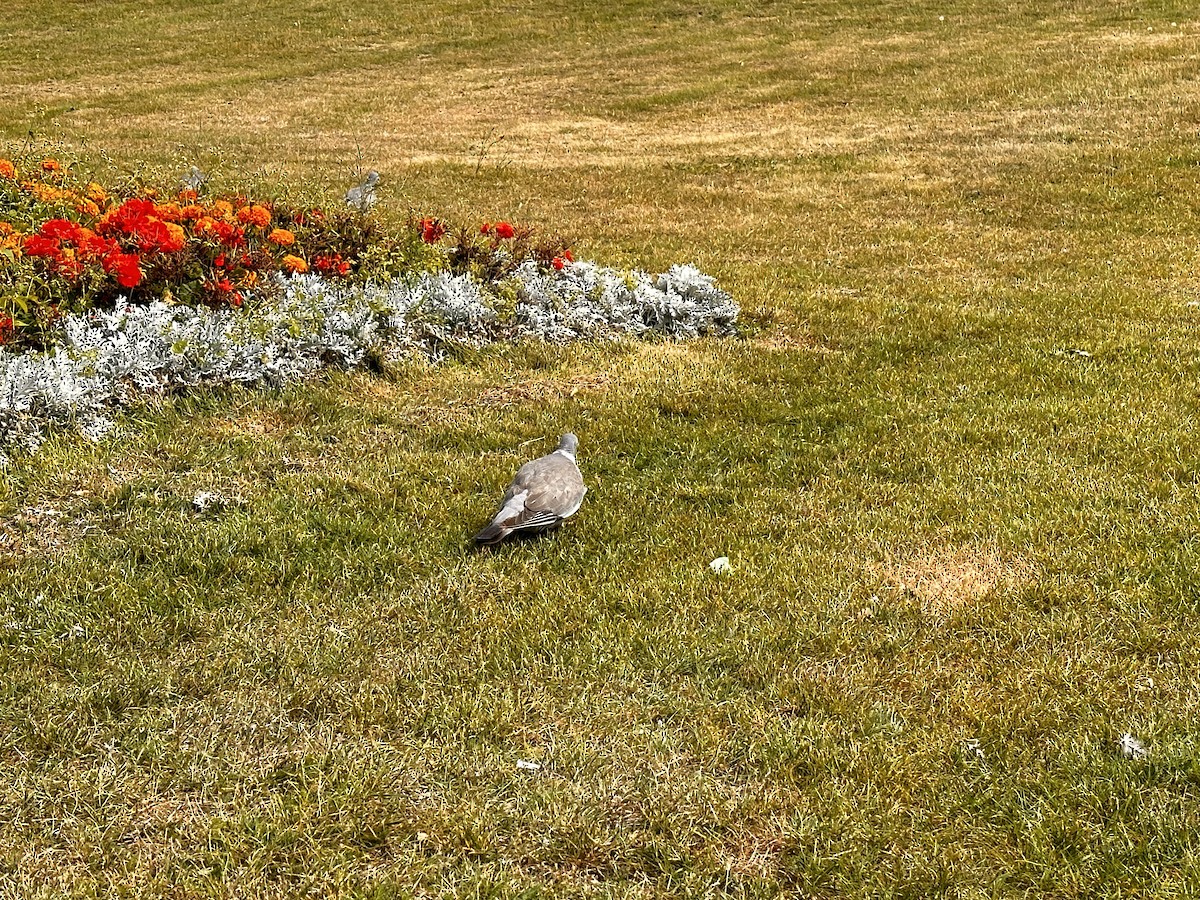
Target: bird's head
568,442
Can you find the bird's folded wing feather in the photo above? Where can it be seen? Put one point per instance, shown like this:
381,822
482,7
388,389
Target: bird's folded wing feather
553,484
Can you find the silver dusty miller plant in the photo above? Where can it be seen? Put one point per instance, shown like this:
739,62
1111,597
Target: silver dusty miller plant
108,358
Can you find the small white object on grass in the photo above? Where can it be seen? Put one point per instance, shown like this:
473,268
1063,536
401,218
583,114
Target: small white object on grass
528,765
721,565
973,748
1131,747
206,500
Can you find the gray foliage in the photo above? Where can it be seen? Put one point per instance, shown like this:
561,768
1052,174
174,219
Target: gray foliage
107,358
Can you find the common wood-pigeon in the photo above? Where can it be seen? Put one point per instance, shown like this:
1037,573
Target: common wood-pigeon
544,492
362,196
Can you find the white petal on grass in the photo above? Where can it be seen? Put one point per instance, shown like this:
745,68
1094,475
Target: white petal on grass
206,500
528,765
1131,747
721,565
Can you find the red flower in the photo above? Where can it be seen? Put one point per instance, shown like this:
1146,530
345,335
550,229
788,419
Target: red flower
68,266
327,264
504,230
230,235
125,266
60,229
126,218
91,245
431,230
129,273
485,228
558,262
40,245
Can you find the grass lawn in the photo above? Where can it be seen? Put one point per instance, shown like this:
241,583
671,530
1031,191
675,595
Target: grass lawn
952,460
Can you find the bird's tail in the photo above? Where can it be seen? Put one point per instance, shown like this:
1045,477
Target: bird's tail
491,534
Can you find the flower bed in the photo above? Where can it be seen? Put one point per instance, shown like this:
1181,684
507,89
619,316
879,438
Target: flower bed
142,295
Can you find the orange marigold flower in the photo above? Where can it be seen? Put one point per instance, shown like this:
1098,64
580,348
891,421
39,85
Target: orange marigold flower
204,225
87,207
168,212
293,264
7,169
193,211
255,215
51,165
221,209
178,237
282,237
95,192
10,239
44,192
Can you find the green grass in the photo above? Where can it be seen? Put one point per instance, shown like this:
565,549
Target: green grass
949,528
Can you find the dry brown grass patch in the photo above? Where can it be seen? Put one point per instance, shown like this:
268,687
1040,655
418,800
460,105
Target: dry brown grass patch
536,390
946,580
256,422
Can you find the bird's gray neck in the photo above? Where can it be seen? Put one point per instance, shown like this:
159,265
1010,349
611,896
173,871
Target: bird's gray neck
567,453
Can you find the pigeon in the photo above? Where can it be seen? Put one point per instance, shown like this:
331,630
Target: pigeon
193,180
362,196
544,492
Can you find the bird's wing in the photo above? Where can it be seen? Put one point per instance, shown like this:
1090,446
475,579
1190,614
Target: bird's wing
554,488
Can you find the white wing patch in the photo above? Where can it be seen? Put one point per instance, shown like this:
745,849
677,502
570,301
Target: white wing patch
512,508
